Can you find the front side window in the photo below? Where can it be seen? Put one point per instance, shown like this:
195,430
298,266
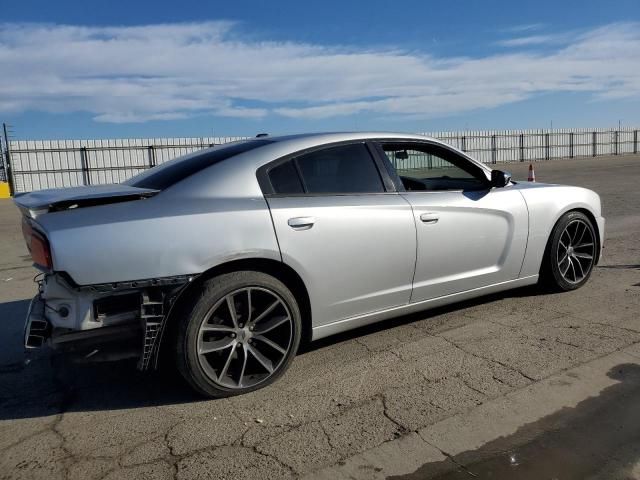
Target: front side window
343,169
433,168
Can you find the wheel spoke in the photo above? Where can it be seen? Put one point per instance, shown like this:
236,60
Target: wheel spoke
270,324
575,233
271,343
266,312
244,365
264,361
584,229
566,255
583,245
581,269
208,327
224,370
564,273
205,347
573,269
232,310
583,255
248,305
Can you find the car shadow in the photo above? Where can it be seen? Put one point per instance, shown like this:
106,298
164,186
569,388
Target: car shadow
621,267
43,382
425,315
12,315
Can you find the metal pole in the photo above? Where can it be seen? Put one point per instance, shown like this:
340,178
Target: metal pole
635,141
84,164
463,144
594,149
546,146
7,161
615,142
522,147
152,156
3,165
494,152
570,144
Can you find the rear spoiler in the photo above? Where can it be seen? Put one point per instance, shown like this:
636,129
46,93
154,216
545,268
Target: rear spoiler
54,200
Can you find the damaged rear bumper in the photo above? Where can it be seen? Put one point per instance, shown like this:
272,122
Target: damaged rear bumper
102,322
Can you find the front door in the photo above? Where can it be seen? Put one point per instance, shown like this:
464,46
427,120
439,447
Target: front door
469,234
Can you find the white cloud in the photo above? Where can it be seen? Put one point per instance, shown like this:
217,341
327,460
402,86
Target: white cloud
171,71
525,27
534,40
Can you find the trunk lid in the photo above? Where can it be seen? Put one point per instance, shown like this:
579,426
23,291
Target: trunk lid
39,202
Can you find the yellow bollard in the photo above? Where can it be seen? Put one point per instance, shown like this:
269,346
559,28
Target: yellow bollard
4,190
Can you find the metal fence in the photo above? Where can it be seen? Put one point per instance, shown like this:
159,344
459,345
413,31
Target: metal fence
37,164
533,145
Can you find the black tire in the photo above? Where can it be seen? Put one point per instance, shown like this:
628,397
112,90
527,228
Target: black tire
551,274
197,369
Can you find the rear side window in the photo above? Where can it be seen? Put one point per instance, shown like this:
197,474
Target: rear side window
170,173
285,180
340,170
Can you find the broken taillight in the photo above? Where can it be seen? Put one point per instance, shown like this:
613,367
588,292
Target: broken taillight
37,245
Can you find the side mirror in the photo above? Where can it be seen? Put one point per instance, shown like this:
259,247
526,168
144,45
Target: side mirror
499,178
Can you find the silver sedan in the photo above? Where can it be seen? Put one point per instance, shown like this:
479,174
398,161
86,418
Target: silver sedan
226,259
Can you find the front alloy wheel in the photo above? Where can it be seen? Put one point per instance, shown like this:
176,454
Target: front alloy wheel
571,252
576,251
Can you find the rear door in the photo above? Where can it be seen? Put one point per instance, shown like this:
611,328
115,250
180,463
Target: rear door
469,234
351,239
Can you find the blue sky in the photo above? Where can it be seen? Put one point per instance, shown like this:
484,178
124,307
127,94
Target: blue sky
77,69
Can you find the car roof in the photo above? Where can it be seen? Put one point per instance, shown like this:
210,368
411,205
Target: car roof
303,141
329,137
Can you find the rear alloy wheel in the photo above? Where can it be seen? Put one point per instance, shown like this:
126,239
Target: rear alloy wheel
572,252
241,335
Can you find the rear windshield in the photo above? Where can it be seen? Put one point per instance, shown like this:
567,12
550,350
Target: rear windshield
170,173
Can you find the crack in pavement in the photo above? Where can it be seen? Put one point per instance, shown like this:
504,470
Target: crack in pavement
502,364
569,344
65,402
326,434
616,326
277,460
401,428
468,385
500,381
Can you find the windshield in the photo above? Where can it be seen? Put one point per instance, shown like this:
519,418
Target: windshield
173,171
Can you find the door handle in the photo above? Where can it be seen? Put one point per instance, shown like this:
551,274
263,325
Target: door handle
301,223
429,217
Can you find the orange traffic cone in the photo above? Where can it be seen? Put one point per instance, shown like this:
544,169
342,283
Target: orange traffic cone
532,174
